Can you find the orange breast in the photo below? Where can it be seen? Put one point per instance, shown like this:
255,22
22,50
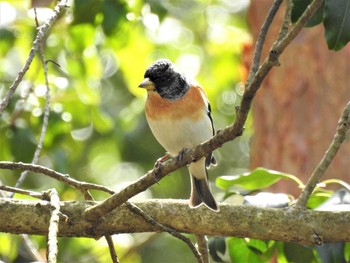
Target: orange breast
190,105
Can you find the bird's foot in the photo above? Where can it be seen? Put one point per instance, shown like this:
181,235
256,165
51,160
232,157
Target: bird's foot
161,160
181,154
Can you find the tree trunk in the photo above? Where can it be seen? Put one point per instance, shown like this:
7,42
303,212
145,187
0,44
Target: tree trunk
296,113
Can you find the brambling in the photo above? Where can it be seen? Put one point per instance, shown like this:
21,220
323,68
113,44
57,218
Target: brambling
178,113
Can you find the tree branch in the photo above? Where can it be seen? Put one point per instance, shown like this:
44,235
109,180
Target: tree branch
43,30
21,191
31,249
160,227
298,26
112,251
286,20
52,249
339,137
289,225
164,169
261,39
46,111
82,186
202,245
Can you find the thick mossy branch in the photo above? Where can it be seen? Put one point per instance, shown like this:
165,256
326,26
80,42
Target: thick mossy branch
291,225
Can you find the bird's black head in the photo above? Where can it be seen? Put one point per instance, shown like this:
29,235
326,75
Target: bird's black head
168,82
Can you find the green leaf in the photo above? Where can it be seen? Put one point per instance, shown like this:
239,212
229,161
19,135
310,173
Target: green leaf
318,197
22,144
85,11
298,253
299,8
337,23
114,15
239,251
258,179
347,252
8,39
264,249
259,245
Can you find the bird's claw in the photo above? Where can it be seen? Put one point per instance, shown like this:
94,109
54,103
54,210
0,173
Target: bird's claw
161,160
181,154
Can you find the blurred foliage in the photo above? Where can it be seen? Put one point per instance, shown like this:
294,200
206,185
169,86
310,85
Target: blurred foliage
97,130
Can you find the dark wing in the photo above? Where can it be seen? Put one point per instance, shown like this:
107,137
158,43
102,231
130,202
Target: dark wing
210,160
211,119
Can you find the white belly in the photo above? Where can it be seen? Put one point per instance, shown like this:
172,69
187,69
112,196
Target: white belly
182,133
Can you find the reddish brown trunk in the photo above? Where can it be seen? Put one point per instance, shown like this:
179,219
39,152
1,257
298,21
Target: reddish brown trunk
298,107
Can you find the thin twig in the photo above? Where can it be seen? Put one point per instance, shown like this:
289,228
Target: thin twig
31,249
82,186
135,209
52,249
298,26
36,18
111,249
53,62
261,39
164,228
21,191
202,245
343,127
40,50
43,30
46,113
286,21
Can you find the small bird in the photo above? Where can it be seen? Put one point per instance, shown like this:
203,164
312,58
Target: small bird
178,113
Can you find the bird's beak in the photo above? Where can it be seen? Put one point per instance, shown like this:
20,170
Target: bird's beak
146,84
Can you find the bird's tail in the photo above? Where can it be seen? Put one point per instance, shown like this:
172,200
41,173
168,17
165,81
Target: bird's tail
200,193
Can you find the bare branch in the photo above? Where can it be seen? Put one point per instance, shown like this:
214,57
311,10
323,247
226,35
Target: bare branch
31,249
286,21
135,209
261,39
46,112
290,225
82,186
21,191
298,26
42,33
110,243
343,127
202,244
52,249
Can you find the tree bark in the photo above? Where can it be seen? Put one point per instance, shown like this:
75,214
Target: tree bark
291,225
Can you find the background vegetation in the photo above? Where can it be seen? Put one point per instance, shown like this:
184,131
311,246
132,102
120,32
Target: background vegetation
97,131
